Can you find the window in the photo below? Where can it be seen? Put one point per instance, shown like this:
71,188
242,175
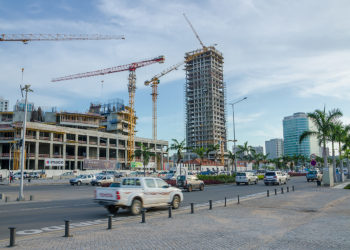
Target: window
161,183
240,174
150,183
129,182
138,183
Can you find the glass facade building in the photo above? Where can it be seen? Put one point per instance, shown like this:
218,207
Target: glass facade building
293,127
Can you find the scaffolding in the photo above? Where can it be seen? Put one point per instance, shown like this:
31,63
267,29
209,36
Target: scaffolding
205,99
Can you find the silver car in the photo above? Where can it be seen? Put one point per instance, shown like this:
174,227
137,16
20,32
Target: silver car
82,179
246,178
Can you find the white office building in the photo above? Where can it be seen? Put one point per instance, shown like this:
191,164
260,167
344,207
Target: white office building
274,148
4,105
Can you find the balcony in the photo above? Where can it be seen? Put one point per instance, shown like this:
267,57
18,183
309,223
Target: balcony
82,142
93,142
45,138
57,156
70,157
44,155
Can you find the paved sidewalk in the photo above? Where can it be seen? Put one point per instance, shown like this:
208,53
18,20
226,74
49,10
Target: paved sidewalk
314,219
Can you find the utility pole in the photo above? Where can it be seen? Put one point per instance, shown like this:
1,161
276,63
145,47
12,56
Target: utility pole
234,131
27,89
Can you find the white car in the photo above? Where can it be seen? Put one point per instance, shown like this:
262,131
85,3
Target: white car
275,177
136,193
82,179
246,178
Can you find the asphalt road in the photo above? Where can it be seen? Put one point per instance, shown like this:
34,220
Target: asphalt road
75,203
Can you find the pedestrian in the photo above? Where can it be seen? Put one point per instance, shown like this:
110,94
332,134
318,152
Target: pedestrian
11,177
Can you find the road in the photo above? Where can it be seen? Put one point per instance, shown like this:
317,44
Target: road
60,202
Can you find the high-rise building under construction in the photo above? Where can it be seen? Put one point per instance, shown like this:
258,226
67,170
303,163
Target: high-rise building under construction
205,99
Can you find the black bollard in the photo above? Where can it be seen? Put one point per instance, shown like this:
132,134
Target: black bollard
169,209
210,204
143,216
66,229
31,197
192,208
7,198
12,236
238,199
268,193
225,201
109,222
287,189
275,191
282,191
293,188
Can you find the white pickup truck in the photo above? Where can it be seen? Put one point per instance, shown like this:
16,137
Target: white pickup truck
137,193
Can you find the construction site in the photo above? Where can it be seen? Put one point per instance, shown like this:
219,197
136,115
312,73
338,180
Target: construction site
110,128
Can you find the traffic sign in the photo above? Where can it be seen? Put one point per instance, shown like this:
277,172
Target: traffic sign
313,162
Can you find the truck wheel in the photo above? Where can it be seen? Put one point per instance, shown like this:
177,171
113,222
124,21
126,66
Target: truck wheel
136,207
201,187
256,182
112,209
176,202
237,183
79,183
189,189
308,180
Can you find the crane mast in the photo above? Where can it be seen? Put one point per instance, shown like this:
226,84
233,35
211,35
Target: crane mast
131,89
194,31
25,38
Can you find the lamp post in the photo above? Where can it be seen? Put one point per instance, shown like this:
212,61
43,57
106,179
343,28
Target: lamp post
234,131
27,89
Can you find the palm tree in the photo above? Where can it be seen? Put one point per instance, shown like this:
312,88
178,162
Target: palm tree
232,157
200,152
322,121
146,155
341,133
346,149
179,147
245,152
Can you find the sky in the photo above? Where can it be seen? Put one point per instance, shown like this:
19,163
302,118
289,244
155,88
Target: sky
284,56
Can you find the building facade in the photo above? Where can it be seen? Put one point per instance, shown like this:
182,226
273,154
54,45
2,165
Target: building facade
258,149
4,105
293,127
274,148
72,137
20,106
205,99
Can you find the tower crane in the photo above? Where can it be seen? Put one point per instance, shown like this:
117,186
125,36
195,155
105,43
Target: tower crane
131,89
25,38
195,33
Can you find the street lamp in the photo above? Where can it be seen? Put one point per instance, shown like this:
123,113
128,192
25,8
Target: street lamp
234,131
27,89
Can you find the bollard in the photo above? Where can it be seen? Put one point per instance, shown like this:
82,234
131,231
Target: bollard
109,222
293,188
238,199
1,196
225,201
143,216
66,229
169,209
192,209
31,197
275,191
282,191
268,193
210,204
287,189
7,198
12,236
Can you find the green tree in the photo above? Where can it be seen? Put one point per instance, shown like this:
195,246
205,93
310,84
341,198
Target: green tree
201,154
245,151
178,147
340,133
232,157
146,154
322,121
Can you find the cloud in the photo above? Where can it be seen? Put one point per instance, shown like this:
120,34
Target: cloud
248,118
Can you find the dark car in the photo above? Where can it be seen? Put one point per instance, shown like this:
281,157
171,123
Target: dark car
189,182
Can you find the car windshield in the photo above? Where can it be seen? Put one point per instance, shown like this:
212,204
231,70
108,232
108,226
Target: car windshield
240,174
270,174
99,177
181,178
312,172
81,176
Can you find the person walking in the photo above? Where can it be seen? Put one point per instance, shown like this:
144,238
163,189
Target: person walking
11,177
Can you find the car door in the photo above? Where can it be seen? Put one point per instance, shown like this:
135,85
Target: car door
151,191
163,189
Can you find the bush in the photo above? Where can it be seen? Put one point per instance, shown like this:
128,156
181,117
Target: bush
347,186
217,179
261,176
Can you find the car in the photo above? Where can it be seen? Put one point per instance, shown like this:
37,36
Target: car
314,175
189,182
246,178
137,193
275,177
287,175
17,175
82,179
162,174
34,175
102,180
